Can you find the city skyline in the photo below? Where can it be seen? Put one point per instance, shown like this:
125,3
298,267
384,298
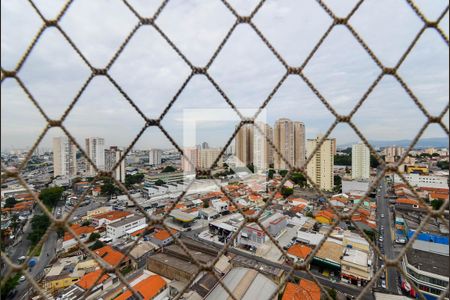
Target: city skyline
340,76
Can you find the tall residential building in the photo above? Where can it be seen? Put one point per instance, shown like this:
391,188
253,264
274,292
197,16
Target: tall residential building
205,145
155,157
112,156
64,157
320,167
192,155
95,148
206,158
393,151
244,145
262,150
289,139
360,161
333,141
299,144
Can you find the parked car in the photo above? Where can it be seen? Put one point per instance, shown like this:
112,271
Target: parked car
383,284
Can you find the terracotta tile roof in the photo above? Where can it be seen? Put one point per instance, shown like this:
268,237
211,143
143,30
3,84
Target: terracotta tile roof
79,230
305,290
300,251
407,201
311,287
88,280
437,195
147,288
325,214
109,255
163,234
437,190
112,215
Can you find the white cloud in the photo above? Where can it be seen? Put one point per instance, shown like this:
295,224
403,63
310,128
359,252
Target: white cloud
151,73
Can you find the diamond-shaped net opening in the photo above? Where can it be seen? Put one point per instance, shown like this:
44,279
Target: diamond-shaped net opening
110,267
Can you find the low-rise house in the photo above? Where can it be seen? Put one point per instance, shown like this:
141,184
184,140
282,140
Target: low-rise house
162,237
148,288
252,235
305,289
113,257
324,217
298,252
82,232
208,213
109,217
119,229
356,267
62,274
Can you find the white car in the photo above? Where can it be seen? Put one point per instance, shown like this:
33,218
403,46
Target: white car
383,284
22,278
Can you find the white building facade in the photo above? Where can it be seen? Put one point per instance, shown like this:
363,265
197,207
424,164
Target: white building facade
360,162
95,149
64,157
155,157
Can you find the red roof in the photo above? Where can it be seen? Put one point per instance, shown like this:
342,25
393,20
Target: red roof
163,234
147,288
305,290
112,215
109,255
88,280
79,230
300,251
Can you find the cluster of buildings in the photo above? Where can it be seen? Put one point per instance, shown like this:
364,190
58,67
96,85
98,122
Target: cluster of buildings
65,158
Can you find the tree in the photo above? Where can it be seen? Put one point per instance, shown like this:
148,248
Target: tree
168,169
283,173
51,196
97,245
435,155
133,179
343,160
374,163
337,183
86,223
10,202
437,203
94,236
286,192
443,165
109,189
332,293
299,179
160,182
370,234
9,285
270,173
251,167
39,225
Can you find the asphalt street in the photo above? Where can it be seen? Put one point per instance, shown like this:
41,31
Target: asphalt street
384,218
48,252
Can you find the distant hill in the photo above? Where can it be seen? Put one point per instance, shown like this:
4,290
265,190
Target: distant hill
422,143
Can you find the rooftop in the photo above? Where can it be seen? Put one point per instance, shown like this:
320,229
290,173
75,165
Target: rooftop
245,284
109,255
126,221
88,280
428,261
112,215
147,288
299,251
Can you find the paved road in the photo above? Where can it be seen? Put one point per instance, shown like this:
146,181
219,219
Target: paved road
388,243
342,287
48,252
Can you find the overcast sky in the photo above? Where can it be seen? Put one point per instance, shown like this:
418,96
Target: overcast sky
151,72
